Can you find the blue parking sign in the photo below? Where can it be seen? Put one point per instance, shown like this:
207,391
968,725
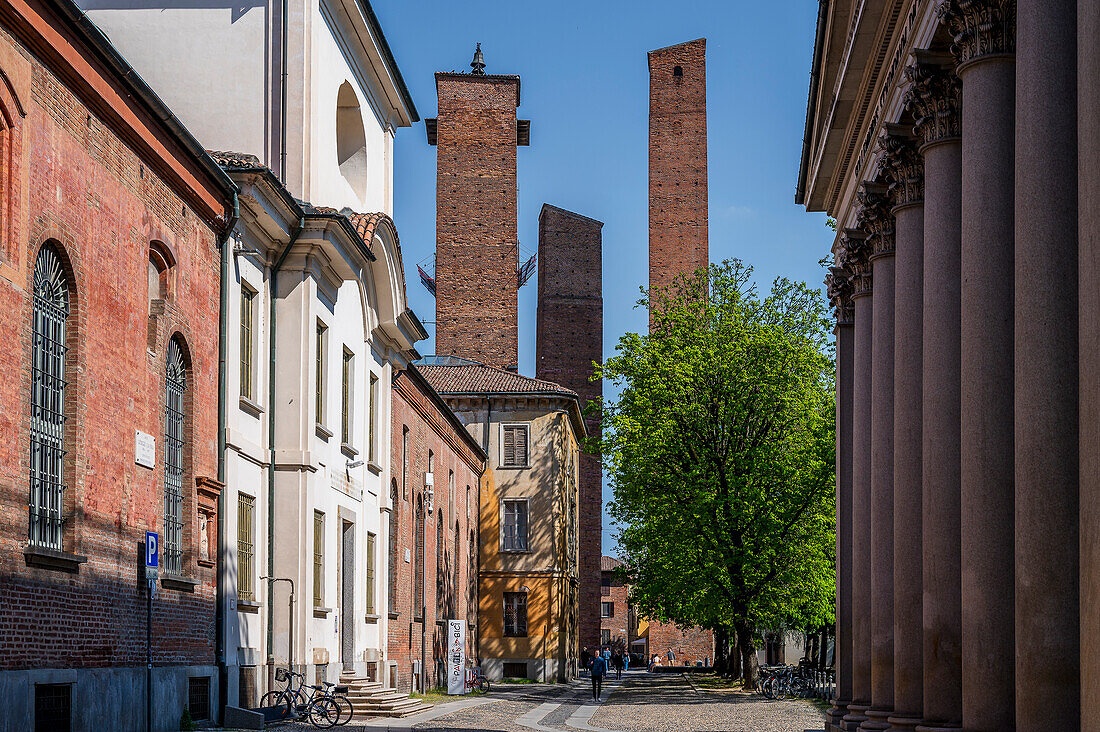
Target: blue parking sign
152,545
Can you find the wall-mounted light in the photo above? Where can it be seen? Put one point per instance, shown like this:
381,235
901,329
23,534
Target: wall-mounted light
354,464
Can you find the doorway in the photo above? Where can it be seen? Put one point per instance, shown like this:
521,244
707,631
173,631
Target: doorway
347,595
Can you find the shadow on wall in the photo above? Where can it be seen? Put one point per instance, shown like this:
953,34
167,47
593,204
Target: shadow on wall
237,9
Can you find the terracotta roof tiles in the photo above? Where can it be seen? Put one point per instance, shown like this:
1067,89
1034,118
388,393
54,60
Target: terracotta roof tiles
476,378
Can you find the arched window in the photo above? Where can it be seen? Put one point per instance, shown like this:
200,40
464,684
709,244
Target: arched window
418,559
471,576
392,575
439,588
458,568
47,429
159,275
175,386
351,140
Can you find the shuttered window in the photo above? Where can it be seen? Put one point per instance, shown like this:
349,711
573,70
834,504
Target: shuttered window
514,538
319,377
347,374
318,559
246,547
515,446
515,614
372,417
370,574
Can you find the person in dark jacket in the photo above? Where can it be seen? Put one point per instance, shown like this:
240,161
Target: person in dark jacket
599,670
586,659
618,663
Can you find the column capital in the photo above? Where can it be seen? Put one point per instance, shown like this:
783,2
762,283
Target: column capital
875,217
838,286
980,27
934,96
903,166
856,247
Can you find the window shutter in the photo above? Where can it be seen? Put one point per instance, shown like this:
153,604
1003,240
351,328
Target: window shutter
521,445
509,446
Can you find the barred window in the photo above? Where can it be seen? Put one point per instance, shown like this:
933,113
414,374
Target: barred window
392,574
370,574
175,385
418,560
439,538
515,446
47,429
514,537
404,461
246,547
248,299
372,416
515,614
318,559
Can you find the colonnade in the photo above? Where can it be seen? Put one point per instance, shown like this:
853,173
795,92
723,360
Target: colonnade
968,386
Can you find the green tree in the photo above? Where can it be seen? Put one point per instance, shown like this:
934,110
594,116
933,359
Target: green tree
720,450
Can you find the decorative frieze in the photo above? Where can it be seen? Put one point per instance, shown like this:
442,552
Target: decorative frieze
902,166
980,27
875,217
933,96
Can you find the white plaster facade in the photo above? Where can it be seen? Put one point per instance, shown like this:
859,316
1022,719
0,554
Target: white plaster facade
219,67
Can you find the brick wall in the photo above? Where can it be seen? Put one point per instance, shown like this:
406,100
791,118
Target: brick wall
690,645
80,186
476,241
569,338
617,625
413,409
677,161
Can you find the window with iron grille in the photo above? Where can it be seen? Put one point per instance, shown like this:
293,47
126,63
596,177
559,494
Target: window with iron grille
418,560
515,446
391,578
246,547
53,707
439,563
319,378
369,579
514,670
347,374
605,636
175,384
515,614
372,417
514,531
458,570
404,461
318,559
248,299
198,697
607,609
47,428
471,572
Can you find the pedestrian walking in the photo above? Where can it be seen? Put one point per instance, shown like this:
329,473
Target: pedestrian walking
586,660
617,662
599,670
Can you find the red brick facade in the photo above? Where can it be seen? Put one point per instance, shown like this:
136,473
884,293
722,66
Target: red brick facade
77,185
689,646
569,339
476,200
422,423
678,230
614,627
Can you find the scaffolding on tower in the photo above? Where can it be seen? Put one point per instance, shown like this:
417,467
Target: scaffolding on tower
426,269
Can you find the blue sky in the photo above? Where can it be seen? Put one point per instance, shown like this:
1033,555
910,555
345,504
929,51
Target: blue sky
585,88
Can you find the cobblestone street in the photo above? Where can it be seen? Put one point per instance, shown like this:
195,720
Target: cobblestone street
641,702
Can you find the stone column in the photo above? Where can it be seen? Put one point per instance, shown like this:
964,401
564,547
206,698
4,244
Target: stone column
1046,342
876,219
934,100
1088,136
858,247
984,34
840,293
904,170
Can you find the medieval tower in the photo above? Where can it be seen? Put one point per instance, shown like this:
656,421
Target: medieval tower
477,246
678,234
569,338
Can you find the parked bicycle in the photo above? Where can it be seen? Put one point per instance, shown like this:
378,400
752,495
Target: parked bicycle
778,682
318,706
474,680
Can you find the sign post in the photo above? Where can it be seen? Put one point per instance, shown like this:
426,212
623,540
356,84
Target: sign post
456,657
152,564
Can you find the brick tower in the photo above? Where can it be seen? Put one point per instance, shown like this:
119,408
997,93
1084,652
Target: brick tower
477,248
568,338
677,161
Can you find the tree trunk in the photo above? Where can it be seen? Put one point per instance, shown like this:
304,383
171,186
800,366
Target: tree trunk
749,666
721,652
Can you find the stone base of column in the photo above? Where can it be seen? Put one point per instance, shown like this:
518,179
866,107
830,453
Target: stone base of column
878,720
857,715
904,722
939,727
834,718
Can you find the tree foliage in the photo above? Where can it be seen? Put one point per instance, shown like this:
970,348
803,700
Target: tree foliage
720,450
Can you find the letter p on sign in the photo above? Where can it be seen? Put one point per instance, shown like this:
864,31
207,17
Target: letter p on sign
151,548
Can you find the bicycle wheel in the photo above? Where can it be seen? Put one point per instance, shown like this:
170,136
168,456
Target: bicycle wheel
324,713
483,685
279,699
347,711
767,687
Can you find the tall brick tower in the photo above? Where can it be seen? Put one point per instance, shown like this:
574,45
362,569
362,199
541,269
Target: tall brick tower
678,232
568,338
477,248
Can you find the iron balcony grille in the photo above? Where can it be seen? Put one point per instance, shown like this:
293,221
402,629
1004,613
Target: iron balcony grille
47,429
175,385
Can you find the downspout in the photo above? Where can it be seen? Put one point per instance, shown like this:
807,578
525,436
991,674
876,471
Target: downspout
285,43
220,572
271,453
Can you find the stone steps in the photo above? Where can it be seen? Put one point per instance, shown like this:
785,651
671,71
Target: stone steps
371,699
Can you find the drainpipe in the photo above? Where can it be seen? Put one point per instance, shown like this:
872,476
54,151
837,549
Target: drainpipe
283,92
271,457
220,572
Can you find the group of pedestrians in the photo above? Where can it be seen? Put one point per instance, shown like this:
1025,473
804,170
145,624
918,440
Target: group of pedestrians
599,665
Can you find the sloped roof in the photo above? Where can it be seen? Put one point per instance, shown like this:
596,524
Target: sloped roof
609,563
476,378
230,160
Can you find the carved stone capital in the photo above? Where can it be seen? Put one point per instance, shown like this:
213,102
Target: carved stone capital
875,218
934,96
838,285
903,166
980,27
857,247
